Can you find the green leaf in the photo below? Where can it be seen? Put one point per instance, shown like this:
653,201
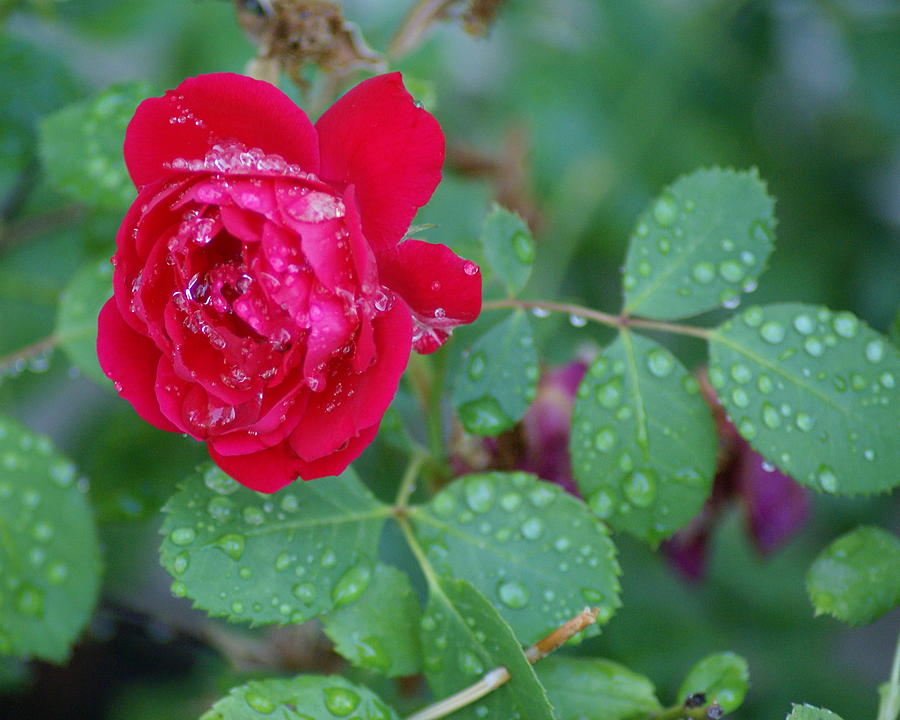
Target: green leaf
643,442
76,316
531,548
815,392
81,146
271,558
307,697
499,378
595,689
508,247
381,630
722,677
808,712
49,556
857,577
699,245
463,638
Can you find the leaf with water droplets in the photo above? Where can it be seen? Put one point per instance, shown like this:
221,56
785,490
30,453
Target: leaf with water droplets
499,377
857,577
49,555
463,638
699,245
595,689
96,173
279,558
508,247
531,548
643,443
76,316
305,697
381,630
808,712
815,392
723,677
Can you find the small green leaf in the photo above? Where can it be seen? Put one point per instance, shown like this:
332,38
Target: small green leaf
49,556
643,443
508,247
381,630
81,146
808,712
271,558
857,577
463,638
816,392
76,317
723,678
531,548
499,377
699,245
595,689
306,697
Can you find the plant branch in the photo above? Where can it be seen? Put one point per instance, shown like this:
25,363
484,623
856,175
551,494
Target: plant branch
408,483
499,676
889,707
14,361
680,712
418,20
602,318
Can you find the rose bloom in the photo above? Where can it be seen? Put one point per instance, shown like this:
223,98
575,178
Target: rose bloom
263,300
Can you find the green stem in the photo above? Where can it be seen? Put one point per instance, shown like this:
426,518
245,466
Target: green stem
890,698
616,321
408,483
23,355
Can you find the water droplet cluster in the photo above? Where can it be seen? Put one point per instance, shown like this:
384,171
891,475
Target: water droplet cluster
813,390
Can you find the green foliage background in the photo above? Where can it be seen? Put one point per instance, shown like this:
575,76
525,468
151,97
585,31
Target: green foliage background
616,99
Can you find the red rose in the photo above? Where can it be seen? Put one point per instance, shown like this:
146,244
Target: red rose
263,301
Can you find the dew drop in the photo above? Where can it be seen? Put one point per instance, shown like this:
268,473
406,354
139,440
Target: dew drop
341,701
183,536
845,324
479,494
874,351
259,703
484,416
665,211
577,320
660,363
609,395
772,332
351,586
220,509
305,592
523,247
731,271
827,479
604,440
704,273
804,422
771,418
476,366
640,487
232,544
541,496
513,594
601,504
180,563
813,346
532,528
741,373
469,663
30,601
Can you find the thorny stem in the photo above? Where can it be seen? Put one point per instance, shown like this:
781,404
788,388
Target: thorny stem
890,699
416,23
22,355
499,676
616,321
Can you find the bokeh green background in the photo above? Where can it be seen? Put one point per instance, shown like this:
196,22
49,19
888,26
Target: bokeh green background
616,99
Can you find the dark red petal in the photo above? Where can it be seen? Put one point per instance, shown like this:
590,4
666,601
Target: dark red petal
375,137
442,289
272,469
130,361
204,110
352,401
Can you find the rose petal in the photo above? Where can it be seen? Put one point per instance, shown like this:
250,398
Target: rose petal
377,139
204,110
272,469
442,289
353,401
130,361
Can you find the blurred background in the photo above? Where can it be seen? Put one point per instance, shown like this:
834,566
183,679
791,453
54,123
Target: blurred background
574,112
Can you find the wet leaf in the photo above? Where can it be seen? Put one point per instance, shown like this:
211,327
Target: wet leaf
499,377
279,558
463,638
49,556
532,549
306,697
508,247
699,245
857,577
808,712
814,391
381,630
643,442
